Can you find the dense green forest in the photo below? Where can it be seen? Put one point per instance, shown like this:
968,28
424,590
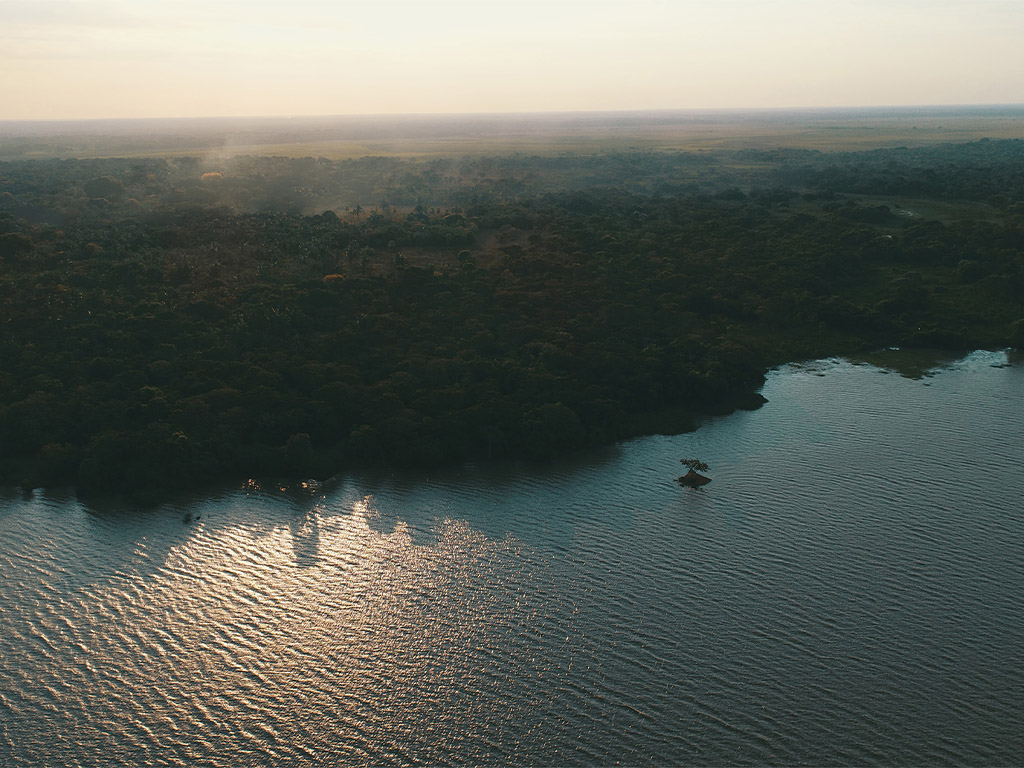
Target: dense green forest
168,323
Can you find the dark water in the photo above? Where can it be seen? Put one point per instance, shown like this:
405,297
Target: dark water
848,590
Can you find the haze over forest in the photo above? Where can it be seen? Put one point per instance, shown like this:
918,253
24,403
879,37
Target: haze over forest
242,240
89,59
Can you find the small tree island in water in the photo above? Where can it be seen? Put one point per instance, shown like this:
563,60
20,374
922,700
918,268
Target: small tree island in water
693,478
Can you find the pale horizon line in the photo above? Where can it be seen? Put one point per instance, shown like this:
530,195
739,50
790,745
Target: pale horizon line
529,113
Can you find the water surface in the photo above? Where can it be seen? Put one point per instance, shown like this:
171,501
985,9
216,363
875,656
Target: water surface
848,590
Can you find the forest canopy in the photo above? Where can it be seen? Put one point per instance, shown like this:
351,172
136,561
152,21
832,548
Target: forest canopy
172,322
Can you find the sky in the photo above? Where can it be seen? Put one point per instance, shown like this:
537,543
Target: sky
81,59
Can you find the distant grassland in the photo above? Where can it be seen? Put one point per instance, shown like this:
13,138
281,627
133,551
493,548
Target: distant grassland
541,134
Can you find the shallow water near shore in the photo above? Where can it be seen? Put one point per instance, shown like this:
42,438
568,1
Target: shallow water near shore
848,590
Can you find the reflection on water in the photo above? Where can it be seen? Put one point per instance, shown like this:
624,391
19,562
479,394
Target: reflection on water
847,591
305,531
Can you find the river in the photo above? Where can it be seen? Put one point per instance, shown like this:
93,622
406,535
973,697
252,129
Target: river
848,590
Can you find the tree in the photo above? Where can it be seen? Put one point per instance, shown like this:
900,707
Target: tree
693,479
694,464
104,187
14,244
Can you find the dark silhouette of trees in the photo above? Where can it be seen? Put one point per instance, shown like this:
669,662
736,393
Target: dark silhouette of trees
176,341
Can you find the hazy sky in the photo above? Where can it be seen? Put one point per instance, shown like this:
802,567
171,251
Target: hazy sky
178,58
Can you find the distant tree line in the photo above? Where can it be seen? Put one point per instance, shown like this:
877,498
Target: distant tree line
164,328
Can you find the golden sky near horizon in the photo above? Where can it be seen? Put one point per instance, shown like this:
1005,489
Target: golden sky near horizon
70,59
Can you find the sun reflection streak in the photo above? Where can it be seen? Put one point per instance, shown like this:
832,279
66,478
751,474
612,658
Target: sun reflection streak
262,608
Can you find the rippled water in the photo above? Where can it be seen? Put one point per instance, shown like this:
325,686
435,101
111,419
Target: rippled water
848,590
